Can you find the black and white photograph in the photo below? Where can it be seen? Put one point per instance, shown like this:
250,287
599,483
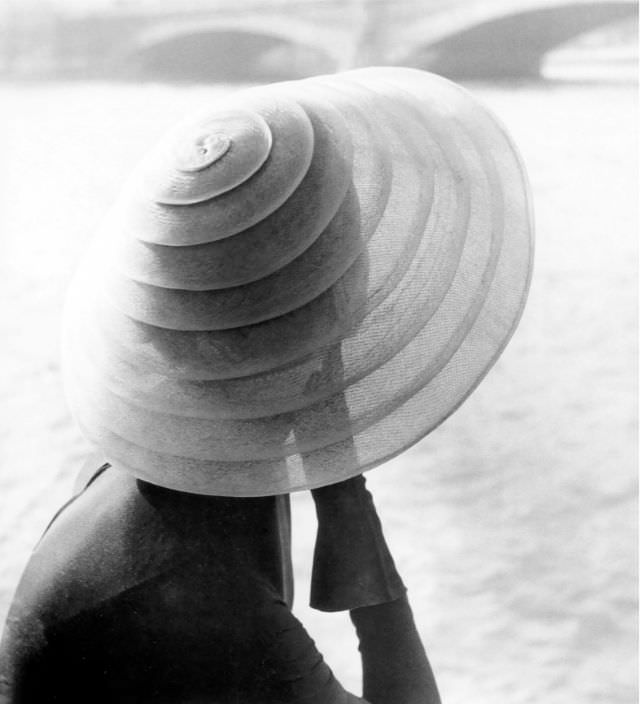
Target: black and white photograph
319,352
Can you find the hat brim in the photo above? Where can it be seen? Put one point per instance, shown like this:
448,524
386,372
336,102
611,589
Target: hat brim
447,273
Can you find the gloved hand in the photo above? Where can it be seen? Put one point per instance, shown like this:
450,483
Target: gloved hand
352,565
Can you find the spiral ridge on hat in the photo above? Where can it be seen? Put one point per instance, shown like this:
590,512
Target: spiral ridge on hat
299,283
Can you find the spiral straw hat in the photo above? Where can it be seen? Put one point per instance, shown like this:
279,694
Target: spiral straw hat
299,283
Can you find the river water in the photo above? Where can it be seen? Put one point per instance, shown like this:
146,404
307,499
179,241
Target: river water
513,524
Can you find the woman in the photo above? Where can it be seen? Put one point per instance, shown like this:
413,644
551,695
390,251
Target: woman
138,593
293,288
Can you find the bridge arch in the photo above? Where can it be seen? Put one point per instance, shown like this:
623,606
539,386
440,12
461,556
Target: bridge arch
501,42
233,49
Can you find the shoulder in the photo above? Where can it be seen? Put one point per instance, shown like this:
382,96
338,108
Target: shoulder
168,628
110,547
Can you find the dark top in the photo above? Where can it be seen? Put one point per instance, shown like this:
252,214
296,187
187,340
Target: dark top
140,594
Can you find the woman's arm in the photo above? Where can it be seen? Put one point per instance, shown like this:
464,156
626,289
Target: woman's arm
395,669
353,569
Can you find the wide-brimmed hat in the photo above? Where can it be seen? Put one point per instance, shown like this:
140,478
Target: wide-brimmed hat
299,283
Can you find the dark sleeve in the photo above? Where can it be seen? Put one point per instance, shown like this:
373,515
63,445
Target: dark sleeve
292,668
186,635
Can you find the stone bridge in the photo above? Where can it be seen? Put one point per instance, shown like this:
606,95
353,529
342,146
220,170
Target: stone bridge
499,38
292,38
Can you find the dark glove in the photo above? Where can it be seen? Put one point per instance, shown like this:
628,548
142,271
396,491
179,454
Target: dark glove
352,565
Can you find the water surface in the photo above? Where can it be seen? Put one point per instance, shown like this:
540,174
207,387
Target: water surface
513,523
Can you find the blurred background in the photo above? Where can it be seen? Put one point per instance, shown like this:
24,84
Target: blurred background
514,524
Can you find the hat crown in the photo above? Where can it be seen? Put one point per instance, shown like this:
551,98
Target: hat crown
206,157
299,282
201,151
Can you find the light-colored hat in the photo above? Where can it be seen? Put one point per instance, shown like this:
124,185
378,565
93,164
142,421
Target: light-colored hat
300,283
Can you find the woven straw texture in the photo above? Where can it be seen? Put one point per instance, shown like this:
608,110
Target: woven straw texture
299,283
